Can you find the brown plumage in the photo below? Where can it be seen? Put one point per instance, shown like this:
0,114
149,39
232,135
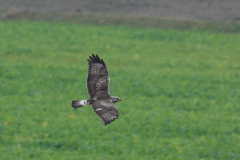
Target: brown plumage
98,89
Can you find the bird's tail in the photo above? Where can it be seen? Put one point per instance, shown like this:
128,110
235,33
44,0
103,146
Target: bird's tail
77,104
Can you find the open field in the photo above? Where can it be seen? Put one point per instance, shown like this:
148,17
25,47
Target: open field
180,92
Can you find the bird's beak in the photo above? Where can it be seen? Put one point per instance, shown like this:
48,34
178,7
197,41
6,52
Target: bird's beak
120,100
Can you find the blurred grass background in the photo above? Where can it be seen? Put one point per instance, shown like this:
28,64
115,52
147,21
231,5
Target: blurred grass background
180,92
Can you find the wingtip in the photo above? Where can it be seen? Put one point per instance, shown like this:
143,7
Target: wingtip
108,122
96,59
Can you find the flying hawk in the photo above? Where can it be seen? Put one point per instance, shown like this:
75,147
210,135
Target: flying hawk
98,89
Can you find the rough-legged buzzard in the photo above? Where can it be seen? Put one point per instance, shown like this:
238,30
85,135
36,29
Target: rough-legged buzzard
98,89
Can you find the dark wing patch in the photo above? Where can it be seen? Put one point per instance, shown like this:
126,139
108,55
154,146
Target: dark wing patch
106,110
98,78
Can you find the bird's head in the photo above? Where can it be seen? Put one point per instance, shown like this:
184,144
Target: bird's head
115,99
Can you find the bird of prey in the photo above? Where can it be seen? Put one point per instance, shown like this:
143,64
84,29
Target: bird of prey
98,89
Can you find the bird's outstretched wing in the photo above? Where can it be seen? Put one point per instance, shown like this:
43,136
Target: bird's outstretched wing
98,78
106,110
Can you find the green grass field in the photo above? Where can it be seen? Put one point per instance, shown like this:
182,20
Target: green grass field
180,92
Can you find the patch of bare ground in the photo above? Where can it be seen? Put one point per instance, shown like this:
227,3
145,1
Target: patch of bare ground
128,20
